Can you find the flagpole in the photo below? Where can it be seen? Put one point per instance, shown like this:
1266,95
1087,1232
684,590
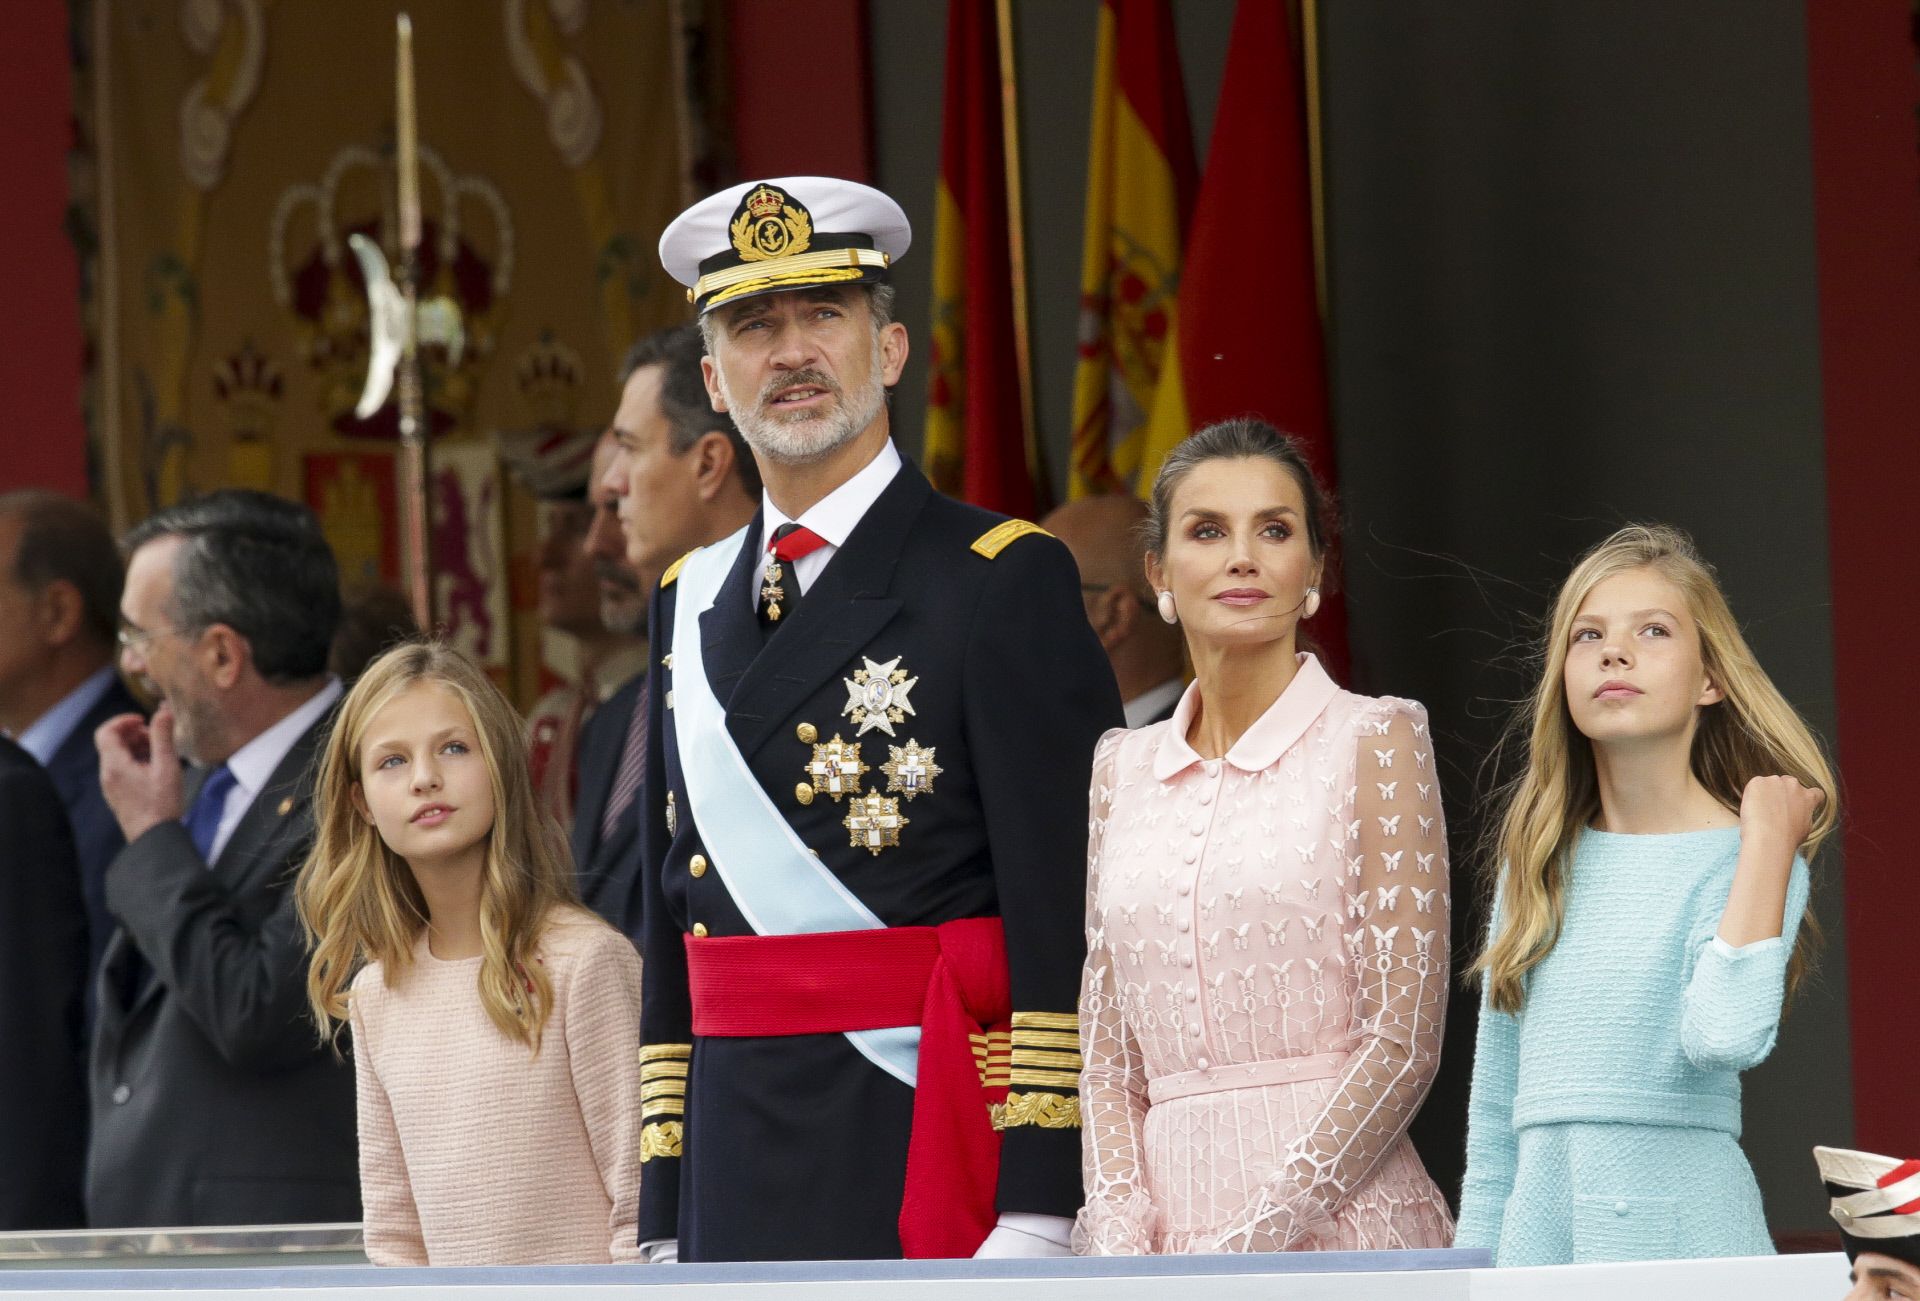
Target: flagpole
1316,177
416,559
1017,248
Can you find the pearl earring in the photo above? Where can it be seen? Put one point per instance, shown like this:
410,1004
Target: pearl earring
1313,603
1167,612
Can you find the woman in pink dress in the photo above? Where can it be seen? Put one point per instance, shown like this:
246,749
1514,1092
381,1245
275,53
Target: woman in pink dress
1267,912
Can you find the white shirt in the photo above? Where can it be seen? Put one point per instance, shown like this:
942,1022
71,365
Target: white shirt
833,517
253,764
1152,702
46,734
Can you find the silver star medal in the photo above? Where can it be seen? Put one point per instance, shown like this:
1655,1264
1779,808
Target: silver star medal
877,696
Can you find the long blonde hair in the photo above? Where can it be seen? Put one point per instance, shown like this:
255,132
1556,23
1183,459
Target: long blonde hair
358,900
1751,732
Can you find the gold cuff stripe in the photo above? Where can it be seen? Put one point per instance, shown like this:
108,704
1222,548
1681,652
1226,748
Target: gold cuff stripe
788,269
1051,1079
1047,1039
663,1071
1045,1020
990,544
663,1107
1056,1061
1041,1110
659,1052
663,1089
659,1140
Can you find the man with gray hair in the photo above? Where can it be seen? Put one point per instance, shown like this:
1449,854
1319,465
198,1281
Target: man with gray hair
213,1100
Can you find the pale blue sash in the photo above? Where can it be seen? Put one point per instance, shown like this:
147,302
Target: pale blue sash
779,885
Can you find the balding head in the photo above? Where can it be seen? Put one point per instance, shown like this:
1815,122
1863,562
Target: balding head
1104,535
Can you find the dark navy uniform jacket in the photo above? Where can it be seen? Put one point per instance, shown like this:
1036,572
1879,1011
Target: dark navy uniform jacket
795,1147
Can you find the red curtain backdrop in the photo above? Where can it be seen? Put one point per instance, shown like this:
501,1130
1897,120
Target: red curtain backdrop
1863,90
43,442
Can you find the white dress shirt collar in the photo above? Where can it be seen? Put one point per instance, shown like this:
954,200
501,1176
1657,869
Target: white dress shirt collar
833,517
46,734
253,764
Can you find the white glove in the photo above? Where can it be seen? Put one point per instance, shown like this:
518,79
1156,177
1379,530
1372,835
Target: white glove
661,1251
1023,1235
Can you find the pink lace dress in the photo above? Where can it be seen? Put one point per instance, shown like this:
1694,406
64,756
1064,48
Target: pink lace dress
1266,981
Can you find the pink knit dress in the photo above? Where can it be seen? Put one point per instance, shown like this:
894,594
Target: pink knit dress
474,1150
1266,981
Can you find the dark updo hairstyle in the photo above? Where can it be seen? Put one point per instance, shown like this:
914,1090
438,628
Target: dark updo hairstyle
1243,438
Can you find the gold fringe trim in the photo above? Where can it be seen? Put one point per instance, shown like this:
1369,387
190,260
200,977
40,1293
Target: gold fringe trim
663,1107
659,1140
662,1089
1048,1039
660,1052
1046,1059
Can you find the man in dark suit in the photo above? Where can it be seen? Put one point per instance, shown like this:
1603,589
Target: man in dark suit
213,1099
674,474
60,579
43,969
873,716
1104,535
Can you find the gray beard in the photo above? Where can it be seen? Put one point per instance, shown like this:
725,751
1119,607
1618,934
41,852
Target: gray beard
800,441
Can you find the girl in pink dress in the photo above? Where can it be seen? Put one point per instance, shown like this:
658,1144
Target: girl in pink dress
1267,911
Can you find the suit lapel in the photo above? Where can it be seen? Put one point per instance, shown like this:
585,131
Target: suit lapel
847,605
730,631
275,811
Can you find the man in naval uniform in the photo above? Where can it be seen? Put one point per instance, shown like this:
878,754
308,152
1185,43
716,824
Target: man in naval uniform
1876,1202
874,715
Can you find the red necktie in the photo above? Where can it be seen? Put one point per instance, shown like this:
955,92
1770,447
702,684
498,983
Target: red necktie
780,591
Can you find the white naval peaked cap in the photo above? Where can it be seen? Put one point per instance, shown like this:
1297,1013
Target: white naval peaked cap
761,237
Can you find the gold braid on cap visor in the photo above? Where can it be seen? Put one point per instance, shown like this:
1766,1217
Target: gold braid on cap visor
826,266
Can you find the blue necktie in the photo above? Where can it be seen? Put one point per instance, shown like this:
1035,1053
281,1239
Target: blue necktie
203,819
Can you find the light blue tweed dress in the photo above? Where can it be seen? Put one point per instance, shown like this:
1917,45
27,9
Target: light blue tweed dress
1605,1116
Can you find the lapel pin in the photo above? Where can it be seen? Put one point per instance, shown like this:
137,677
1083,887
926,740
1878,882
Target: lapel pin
286,806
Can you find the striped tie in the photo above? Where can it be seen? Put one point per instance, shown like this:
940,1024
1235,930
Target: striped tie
633,764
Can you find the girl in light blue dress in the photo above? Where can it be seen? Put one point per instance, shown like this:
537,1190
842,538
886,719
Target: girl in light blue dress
1647,924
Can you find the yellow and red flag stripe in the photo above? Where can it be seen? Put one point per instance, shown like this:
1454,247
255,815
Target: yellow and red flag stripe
1248,335
1140,186
977,442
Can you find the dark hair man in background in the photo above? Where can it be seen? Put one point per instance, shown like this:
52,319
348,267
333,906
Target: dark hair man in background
213,1100
675,474
60,575
1104,535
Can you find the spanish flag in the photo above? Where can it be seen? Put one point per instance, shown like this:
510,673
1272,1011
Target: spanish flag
1248,332
1140,183
977,446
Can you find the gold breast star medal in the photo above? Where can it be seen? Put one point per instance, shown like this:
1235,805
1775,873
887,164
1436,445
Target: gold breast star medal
911,769
877,696
835,769
873,823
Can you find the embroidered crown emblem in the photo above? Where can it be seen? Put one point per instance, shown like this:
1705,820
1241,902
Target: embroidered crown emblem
770,223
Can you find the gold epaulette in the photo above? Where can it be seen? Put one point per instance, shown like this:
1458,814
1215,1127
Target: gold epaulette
663,1092
1001,536
673,570
1044,1057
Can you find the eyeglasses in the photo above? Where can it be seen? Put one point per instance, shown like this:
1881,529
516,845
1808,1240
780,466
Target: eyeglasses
132,638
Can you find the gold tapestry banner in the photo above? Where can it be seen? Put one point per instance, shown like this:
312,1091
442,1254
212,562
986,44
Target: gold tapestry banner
238,143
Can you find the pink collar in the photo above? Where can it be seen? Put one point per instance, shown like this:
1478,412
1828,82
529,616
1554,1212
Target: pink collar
1286,721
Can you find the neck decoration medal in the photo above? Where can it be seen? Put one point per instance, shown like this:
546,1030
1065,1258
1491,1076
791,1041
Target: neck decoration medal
877,696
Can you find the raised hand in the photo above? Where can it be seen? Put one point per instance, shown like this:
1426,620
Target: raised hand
1778,812
140,771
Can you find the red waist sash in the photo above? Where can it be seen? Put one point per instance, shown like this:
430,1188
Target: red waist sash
949,980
